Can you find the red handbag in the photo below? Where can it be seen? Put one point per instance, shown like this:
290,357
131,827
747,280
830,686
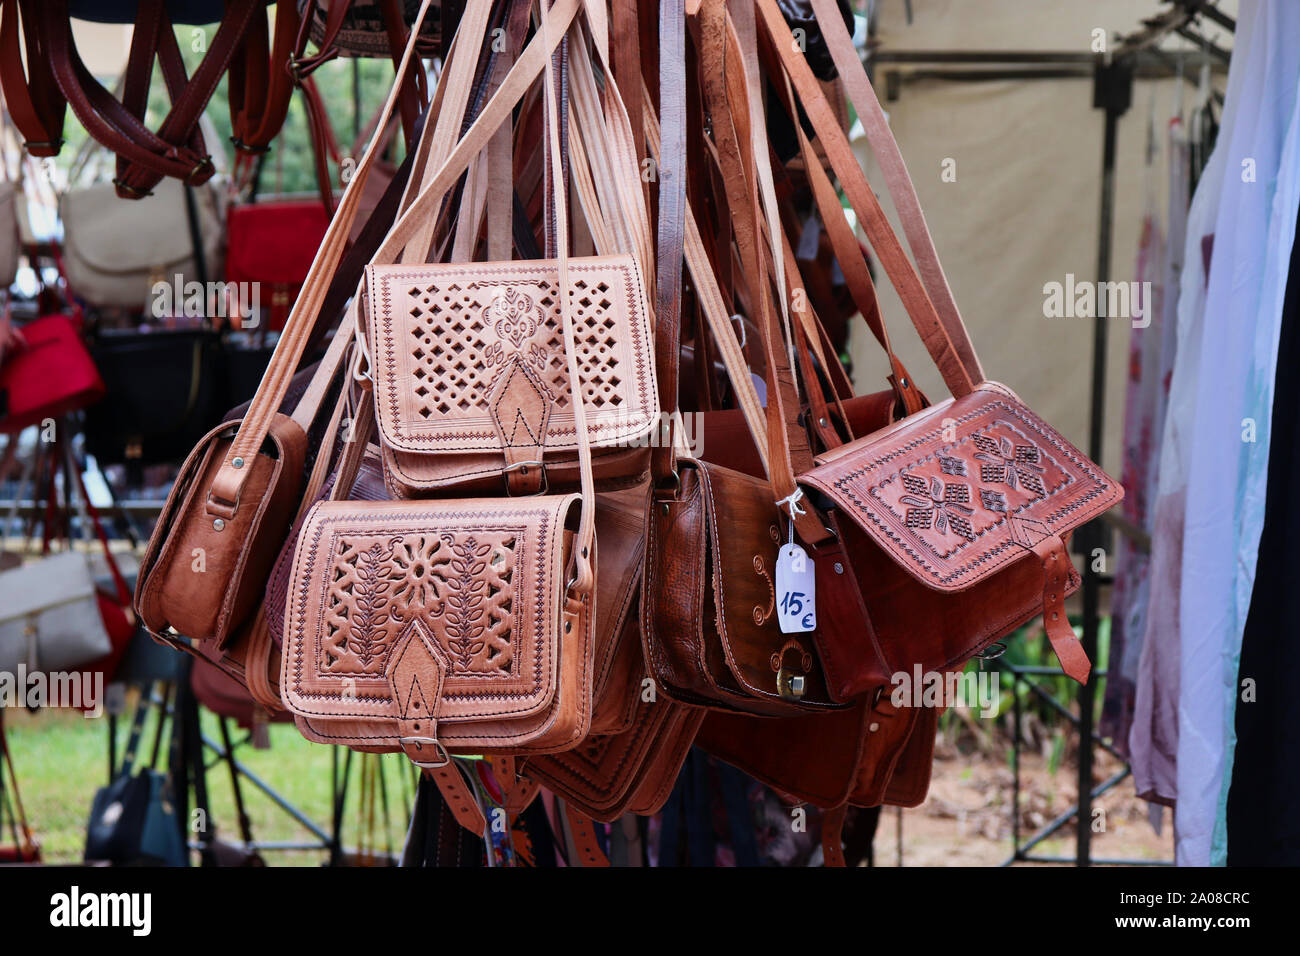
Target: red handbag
273,244
50,375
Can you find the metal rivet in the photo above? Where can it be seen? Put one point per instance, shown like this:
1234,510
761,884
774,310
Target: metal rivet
568,626
821,422
902,383
219,524
874,727
839,568
238,463
665,507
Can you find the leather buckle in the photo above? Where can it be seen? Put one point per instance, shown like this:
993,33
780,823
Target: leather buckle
412,746
243,147
523,466
123,187
202,166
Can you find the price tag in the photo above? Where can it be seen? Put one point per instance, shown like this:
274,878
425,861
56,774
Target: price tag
796,591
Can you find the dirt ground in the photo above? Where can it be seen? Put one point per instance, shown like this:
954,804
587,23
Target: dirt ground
966,820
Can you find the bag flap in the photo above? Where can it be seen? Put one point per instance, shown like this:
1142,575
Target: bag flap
148,235
961,489
52,581
442,335
479,583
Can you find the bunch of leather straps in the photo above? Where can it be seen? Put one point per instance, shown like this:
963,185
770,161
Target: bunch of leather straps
42,74
703,83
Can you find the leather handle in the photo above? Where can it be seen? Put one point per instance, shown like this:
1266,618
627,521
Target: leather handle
897,180
671,225
889,251
584,575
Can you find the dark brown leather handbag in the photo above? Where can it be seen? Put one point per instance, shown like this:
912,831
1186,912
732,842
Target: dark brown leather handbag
709,604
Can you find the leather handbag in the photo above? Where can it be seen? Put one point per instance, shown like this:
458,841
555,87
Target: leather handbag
709,603
10,248
50,375
272,243
49,615
107,272
365,27
165,390
954,520
462,625
133,820
469,382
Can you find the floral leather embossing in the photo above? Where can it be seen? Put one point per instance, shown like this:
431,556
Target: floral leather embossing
958,491
468,593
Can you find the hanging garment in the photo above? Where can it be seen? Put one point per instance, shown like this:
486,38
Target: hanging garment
1263,819
1128,601
1153,739
1229,448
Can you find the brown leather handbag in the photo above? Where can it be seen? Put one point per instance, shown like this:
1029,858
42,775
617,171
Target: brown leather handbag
955,520
709,601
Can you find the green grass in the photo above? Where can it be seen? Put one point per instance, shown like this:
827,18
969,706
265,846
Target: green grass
61,759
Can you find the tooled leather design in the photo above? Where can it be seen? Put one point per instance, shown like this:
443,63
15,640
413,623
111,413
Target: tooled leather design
480,581
443,335
458,586
761,614
947,493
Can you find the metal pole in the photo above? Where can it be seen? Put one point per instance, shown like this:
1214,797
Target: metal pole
1112,92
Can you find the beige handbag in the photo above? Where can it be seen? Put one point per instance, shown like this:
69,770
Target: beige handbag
11,195
115,251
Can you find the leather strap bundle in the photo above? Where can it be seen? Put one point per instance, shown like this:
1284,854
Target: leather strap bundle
479,552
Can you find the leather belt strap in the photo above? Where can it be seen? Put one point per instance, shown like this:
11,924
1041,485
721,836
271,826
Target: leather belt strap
459,797
889,252
33,100
1056,570
583,831
671,226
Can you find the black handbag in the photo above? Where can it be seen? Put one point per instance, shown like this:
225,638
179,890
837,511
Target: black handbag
133,820
165,391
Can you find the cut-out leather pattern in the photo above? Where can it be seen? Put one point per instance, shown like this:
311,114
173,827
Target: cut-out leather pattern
442,334
950,491
457,586
482,580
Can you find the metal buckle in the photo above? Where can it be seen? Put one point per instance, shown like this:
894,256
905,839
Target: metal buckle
417,744
524,466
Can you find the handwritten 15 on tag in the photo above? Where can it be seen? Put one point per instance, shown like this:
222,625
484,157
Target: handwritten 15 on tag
796,591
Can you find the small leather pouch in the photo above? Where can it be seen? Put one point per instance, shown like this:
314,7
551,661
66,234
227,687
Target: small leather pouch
206,566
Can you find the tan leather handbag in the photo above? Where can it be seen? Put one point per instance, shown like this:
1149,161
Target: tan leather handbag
461,625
